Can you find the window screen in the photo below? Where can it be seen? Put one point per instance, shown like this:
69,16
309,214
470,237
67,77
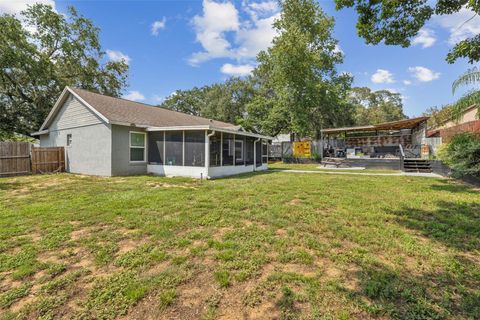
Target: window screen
227,149
174,148
215,149
137,146
155,147
258,154
195,148
249,150
239,150
264,151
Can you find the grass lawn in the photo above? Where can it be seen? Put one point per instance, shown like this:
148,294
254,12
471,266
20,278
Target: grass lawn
316,167
256,246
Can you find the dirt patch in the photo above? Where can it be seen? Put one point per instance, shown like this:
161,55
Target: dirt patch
168,185
307,271
281,232
49,257
267,310
80,234
295,202
126,245
221,232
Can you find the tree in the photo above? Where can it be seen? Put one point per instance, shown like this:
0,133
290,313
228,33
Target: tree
471,76
298,88
41,53
373,107
222,101
397,22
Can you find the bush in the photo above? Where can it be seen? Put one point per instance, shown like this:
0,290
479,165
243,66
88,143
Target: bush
462,154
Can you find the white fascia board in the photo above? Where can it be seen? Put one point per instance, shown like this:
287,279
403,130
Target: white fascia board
175,128
59,102
208,127
242,133
38,133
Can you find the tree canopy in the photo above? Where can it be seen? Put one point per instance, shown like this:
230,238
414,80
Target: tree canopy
397,22
43,51
297,86
373,107
221,101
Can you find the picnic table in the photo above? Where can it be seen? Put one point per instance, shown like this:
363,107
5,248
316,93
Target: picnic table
337,162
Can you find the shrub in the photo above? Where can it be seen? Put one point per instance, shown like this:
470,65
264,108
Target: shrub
462,154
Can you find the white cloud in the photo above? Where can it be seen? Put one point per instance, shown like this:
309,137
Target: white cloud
134,96
461,25
426,38
423,74
210,28
219,20
407,82
118,56
157,25
15,6
382,76
260,9
237,70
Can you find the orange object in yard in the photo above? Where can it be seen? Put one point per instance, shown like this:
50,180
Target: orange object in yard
302,149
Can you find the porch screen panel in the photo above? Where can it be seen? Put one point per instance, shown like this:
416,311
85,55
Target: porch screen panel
155,147
258,154
215,150
239,150
227,149
195,148
173,148
249,151
264,151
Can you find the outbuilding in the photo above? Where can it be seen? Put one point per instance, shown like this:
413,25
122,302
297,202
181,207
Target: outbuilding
109,136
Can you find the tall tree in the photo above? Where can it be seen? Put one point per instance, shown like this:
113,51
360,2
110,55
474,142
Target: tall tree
298,88
42,52
222,101
398,22
373,107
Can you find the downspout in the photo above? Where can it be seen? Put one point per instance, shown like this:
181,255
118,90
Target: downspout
255,153
207,151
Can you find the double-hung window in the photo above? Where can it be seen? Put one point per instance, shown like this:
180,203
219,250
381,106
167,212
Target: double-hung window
137,146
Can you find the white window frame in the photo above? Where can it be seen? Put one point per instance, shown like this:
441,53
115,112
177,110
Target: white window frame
69,141
137,147
235,150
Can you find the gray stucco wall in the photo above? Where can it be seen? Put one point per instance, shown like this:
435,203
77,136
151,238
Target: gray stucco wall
121,165
90,151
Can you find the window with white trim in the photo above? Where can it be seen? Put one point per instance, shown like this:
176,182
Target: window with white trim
137,146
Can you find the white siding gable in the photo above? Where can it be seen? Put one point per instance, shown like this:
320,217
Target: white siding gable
73,114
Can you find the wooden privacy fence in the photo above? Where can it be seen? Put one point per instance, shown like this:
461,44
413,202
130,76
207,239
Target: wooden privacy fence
18,158
14,158
50,159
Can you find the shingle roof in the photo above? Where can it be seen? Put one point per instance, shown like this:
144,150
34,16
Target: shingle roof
126,111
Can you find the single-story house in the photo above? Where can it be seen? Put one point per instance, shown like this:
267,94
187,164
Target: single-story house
109,136
469,121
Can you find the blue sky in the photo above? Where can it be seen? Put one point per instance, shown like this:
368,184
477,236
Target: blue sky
172,45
